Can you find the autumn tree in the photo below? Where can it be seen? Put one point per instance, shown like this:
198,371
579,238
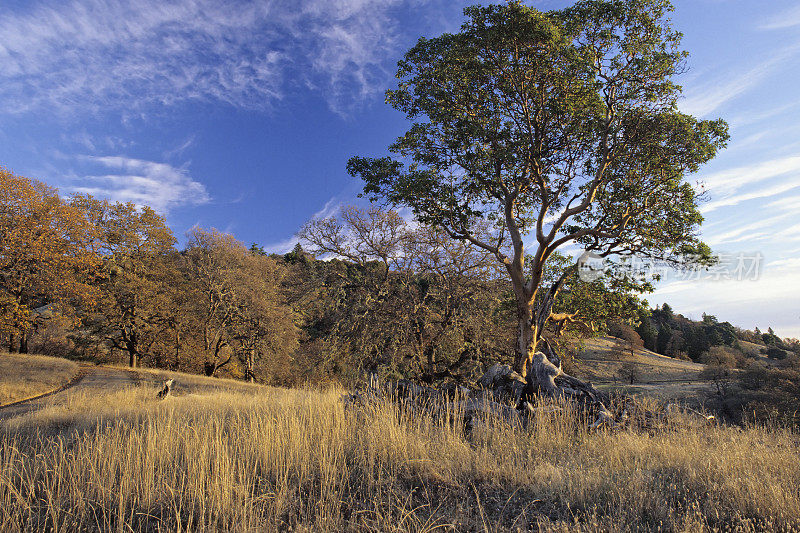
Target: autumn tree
210,257
627,338
136,285
630,371
44,255
236,305
720,362
422,302
626,342
558,128
263,333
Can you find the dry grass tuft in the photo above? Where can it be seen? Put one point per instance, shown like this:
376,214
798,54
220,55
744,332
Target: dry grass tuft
23,376
290,459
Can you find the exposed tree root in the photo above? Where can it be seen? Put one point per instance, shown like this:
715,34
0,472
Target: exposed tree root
503,394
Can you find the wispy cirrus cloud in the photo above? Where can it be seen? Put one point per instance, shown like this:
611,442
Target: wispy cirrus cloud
753,231
93,55
787,203
725,185
703,99
330,208
786,19
158,185
763,192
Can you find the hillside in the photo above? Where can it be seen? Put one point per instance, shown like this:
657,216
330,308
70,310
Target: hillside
265,459
90,382
26,376
660,377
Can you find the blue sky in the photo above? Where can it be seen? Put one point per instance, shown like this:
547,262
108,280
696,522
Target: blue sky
241,116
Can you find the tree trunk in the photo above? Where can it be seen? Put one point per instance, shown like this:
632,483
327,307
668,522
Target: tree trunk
23,343
542,368
12,345
250,363
133,353
535,366
428,355
526,340
176,363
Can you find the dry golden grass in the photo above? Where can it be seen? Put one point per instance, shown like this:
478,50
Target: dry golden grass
23,375
298,460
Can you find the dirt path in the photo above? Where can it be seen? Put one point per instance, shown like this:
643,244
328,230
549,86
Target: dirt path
102,380
90,379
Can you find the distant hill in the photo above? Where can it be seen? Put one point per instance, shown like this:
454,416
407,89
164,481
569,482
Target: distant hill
659,376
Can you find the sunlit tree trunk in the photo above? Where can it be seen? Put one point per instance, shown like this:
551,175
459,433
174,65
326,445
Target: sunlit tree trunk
133,352
527,339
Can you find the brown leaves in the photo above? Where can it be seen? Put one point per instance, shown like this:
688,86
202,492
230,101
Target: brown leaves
45,255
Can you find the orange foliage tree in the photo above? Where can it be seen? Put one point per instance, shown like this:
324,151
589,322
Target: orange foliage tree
237,309
45,257
136,294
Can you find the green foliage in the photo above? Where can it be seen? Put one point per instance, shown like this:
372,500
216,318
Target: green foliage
561,124
676,335
648,332
773,352
407,302
517,92
770,339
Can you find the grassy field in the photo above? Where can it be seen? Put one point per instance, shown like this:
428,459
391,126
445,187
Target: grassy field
23,375
273,459
661,377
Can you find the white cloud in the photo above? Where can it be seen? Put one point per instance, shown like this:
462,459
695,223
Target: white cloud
789,234
281,247
704,99
732,179
753,117
790,264
787,19
724,186
736,199
158,185
178,150
746,232
787,203
330,208
770,300
91,55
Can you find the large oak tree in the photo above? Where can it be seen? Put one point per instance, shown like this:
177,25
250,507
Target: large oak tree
560,128
136,281
424,304
45,257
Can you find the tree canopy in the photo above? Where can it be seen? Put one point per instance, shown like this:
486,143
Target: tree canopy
557,128
44,258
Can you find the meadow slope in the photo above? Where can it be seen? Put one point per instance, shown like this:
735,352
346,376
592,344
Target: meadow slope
267,459
23,376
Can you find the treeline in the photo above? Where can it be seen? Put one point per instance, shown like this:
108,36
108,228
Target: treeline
674,335
753,375
88,278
